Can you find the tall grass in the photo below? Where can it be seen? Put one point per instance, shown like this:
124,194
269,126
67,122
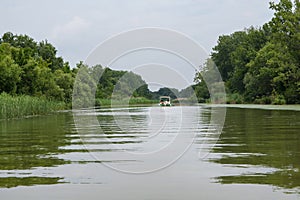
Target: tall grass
125,101
142,100
20,106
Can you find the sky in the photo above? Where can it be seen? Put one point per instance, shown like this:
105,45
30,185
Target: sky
76,27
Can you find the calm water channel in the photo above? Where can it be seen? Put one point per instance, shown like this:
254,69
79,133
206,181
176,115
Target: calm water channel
152,153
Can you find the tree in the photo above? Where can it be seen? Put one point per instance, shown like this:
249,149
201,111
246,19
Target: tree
32,68
65,82
232,54
285,25
263,64
27,83
172,92
48,52
10,70
9,76
45,84
130,85
84,87
209,83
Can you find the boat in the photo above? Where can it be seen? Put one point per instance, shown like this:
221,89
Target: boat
165,101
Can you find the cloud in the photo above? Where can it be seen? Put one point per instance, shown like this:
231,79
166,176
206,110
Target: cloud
76,28
67,37
73,29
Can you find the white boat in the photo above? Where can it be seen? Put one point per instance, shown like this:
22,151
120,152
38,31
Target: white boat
165,101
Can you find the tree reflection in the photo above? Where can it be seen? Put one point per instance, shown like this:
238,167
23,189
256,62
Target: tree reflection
255,138
31,143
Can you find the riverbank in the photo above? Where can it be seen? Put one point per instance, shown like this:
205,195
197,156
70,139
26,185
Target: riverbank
24,105
126,101
293,107
21,106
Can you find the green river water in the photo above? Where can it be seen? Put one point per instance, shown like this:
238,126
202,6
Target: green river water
152,153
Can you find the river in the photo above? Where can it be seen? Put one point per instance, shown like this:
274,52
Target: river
151,152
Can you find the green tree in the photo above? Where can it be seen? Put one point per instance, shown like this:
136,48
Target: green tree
209,83
263,65
84,87
285,25
130,84
272,72
65,82
27,84
32,68
10,70
285,28
45,82
48,52
9,76
232,54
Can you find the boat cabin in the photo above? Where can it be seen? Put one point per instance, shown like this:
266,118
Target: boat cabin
165,101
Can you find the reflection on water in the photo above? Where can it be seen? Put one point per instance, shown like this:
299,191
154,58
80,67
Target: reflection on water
264,147
10,182
28,147
257,146
139,140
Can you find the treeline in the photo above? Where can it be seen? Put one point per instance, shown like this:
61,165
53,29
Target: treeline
32,68
119,86
261,65
173,93
98,85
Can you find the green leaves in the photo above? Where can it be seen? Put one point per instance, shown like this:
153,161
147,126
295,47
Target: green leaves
263,65
232,54
31,68
10,75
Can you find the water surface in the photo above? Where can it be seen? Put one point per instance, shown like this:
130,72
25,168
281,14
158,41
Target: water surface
257,156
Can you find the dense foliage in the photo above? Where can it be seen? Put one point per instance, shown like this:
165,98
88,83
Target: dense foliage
120,86
261,65
98,85
31,68
34,69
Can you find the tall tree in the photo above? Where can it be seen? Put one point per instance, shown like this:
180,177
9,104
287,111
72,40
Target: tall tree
10,71
232,54
263,64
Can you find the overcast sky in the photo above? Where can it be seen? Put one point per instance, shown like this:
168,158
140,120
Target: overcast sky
76,27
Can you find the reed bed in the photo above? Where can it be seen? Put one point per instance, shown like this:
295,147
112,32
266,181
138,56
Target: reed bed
142,100
125,101
20,106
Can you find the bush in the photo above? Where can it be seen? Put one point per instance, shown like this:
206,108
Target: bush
263,100
234,98
278,100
